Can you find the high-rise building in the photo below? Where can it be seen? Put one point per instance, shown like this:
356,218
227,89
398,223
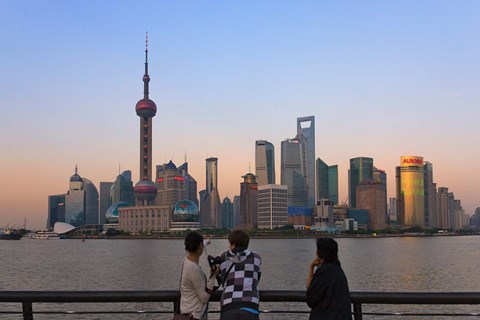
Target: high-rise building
146,109
190,183
442,208
410,192
91,202
210,208
56,209
122,188
248,202
430,195
264,162
371,196
227,213
392,209
105,201
272,206
236,211
306,128
361,169
75,201
293,171
327,181
171,187
380,176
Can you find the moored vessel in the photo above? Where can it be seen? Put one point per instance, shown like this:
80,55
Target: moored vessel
10,234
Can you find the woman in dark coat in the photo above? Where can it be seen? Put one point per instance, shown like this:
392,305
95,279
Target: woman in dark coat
327,288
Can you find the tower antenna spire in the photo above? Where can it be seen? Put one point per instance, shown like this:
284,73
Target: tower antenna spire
146,77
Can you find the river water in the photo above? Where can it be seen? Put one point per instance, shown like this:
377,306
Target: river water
433,264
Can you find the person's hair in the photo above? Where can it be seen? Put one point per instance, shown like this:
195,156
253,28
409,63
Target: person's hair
239,238
327,249
192,241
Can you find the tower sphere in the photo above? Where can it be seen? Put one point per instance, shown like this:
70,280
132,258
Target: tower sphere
145,190
146,108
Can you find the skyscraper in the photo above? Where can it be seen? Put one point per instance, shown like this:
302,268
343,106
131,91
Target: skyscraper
190,183
248,201
293,174
105,201
380,176
91,202
210,209
122,188
75,201
56,209
272,206
145,189
236,211
443,220
227,213
371,196
264,162
171,186
327,181
430,195
361,169
306,127
410,191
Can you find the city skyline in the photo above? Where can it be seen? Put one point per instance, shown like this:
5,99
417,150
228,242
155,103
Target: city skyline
382,80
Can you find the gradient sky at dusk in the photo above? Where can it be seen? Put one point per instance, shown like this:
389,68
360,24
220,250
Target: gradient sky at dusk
382,78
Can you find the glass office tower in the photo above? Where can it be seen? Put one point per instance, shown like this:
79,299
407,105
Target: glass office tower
264,162
361,169
410,191
306,128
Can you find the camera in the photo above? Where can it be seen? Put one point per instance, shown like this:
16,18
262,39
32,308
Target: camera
214,261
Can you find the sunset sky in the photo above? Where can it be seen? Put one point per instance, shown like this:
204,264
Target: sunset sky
383,79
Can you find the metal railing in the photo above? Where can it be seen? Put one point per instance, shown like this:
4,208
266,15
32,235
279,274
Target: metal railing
28,298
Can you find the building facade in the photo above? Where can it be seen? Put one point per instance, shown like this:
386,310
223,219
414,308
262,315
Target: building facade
122,188
326,181
293,171
264,162
306,128
227,213
248,202
211,208
56,209
272,206
430,191
144,219
371,197
91,202
105,201
410,192
171,186
361,169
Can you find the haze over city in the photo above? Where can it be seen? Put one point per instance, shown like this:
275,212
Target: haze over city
383,79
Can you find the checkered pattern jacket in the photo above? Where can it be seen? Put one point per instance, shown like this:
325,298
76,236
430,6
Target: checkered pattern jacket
241,282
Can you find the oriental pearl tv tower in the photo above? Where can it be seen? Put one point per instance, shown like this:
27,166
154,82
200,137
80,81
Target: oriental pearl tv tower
145,189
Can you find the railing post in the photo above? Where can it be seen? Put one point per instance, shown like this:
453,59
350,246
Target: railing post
27,310
357,311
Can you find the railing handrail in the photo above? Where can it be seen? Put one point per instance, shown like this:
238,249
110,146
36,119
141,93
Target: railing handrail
362,297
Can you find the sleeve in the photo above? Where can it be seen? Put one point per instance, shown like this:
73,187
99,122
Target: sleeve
199,282
318,287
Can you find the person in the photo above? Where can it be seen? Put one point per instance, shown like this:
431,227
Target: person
327,289
240,271
195,289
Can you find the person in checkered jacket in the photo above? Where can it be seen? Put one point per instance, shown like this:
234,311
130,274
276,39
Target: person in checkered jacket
241,272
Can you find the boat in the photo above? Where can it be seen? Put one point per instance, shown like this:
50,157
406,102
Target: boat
10,234
45,235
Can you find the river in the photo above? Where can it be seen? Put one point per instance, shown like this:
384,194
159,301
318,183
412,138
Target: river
433,264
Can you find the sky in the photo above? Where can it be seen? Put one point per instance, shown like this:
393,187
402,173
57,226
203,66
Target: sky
382,78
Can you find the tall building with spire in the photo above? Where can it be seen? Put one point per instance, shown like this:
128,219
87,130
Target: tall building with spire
145,216
146,109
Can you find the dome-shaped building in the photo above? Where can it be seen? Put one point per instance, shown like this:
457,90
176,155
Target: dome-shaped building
185,215
111,216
